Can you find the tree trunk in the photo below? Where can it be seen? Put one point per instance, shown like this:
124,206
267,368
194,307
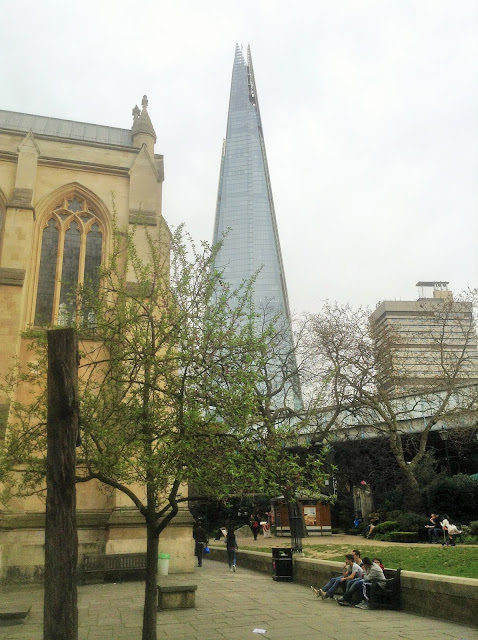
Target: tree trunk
60,618
296,523
150,612
412,497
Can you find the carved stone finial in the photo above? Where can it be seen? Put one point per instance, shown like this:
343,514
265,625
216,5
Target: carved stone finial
142,124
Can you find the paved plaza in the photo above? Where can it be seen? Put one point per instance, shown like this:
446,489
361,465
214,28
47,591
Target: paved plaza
229,606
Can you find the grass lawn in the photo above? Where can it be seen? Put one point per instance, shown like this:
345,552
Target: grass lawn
461,561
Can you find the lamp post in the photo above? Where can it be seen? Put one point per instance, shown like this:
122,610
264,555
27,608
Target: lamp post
443,433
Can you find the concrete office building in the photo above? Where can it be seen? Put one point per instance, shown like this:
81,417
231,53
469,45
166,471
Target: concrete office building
427,343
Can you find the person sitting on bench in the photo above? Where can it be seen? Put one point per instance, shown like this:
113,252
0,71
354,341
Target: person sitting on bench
357,593
434,528
351,571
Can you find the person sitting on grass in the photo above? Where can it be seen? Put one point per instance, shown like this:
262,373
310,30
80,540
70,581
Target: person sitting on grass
358,592
351,570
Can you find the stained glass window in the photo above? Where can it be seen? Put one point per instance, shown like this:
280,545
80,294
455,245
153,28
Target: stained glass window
75,205
94,242
69,274
71,251
46,277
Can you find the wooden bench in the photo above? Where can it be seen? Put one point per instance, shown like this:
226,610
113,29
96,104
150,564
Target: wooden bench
175,596
386,595
99,567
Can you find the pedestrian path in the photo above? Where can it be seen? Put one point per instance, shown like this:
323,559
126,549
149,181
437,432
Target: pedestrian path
229,606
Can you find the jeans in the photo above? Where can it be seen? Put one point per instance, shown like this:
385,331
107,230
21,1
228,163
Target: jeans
350,583
200,551
231,557
355,588
332,586
438,534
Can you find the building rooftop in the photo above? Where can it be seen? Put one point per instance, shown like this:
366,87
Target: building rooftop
56,127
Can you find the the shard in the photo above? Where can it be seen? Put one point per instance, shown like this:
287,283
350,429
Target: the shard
245,216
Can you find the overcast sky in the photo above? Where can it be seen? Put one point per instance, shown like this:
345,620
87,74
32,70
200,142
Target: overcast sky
369,110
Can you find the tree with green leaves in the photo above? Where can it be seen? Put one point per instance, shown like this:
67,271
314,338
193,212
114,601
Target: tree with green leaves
289,466
166,384
172,391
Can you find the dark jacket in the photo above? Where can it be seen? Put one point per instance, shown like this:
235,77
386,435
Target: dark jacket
200,535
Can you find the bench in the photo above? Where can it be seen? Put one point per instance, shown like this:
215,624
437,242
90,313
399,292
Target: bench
177,596
101,566
386,595
11,614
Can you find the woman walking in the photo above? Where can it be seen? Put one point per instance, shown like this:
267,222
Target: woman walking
231,544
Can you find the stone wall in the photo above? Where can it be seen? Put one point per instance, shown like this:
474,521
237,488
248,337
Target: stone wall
444,597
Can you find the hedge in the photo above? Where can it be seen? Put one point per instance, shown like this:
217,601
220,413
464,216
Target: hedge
385,527
403,536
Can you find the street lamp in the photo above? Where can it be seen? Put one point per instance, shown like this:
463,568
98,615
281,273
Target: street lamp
443,433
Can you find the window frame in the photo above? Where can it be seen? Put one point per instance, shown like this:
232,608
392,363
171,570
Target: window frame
85,225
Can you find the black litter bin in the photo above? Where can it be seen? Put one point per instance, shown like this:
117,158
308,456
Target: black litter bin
282,564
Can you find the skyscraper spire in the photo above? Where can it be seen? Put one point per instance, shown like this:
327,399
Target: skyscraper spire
245,208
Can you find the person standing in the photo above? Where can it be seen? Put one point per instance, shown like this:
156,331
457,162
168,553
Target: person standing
231,545
255,526
200,537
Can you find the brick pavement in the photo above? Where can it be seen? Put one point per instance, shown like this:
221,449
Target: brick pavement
228,607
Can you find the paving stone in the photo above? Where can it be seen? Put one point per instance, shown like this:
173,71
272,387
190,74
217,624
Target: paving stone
228,607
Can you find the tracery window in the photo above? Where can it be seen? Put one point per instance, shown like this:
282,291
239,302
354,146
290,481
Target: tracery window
71,251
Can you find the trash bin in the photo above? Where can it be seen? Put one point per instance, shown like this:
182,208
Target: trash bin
163,564
282,564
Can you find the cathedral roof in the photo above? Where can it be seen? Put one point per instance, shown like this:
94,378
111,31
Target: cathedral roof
56,127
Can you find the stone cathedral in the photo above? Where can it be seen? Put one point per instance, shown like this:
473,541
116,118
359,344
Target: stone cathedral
61,184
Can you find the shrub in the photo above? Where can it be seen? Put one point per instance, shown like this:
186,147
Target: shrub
474,527
384,537
411,521
385,527
391,515
403,536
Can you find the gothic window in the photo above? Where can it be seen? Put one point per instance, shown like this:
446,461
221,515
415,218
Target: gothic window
71,249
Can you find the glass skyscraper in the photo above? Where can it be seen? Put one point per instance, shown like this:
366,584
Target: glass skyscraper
245,208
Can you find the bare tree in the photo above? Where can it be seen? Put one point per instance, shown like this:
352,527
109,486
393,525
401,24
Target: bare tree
381,382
